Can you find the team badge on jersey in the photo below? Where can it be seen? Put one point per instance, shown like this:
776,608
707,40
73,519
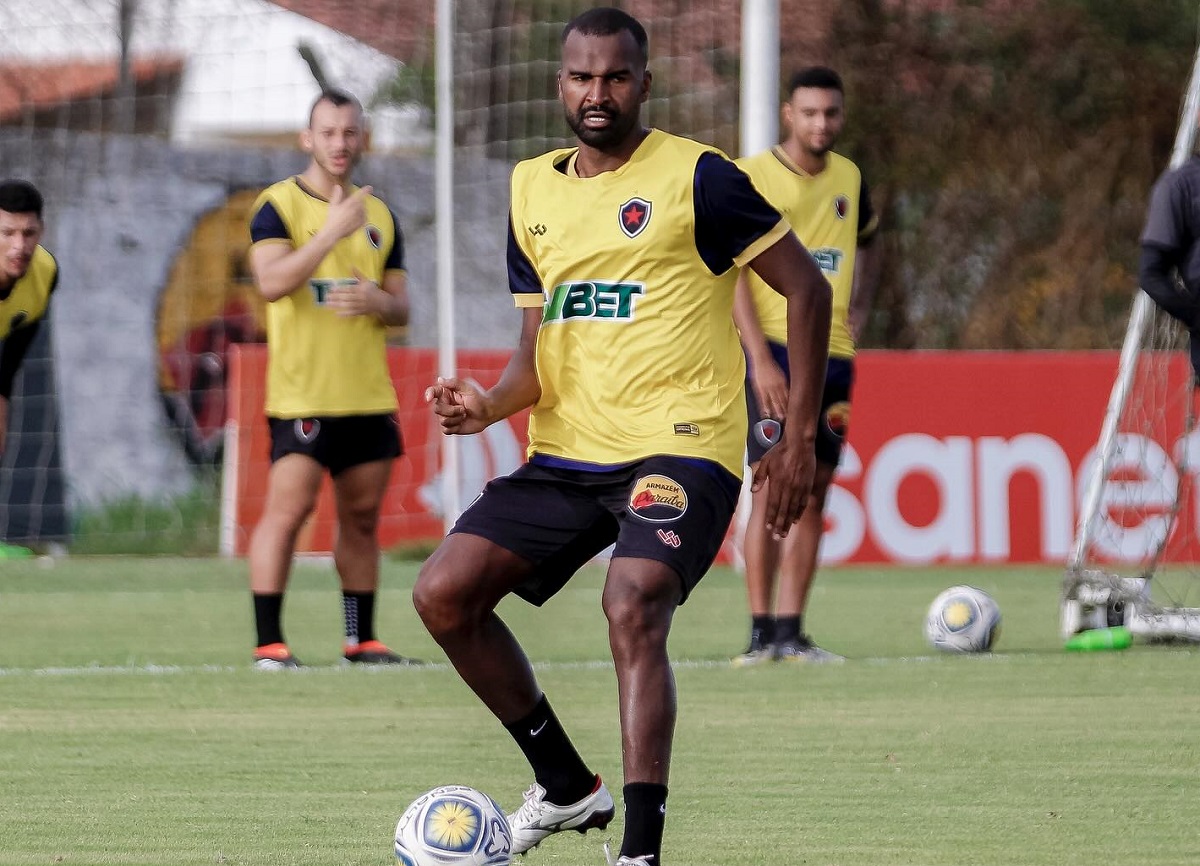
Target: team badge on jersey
307,429
18,320
841,206
767,432
658,499
837,418
374,236
634,216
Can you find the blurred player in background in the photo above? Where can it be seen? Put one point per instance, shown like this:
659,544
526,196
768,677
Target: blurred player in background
823,197
1169,271
329,259
622,257
28,276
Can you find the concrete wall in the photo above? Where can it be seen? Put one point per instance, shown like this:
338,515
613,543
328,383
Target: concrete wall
119,210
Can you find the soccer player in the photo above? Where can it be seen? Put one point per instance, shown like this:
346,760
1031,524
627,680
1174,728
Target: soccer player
28,276
1169,271
329,259
823,197
622,257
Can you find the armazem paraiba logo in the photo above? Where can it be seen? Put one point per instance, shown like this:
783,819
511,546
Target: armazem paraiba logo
593,299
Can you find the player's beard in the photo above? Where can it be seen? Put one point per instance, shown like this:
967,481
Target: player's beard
619,128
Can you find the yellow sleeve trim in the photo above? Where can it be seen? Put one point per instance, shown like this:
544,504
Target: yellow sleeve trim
765,242
529,299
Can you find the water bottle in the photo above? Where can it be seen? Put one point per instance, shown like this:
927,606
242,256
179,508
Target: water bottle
1115,638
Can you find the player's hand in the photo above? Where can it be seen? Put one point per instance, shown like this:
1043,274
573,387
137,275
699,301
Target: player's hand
787,470
362,298
346,215
770,390
461,407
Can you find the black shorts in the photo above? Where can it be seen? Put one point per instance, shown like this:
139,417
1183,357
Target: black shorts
670,509
835,411
337,442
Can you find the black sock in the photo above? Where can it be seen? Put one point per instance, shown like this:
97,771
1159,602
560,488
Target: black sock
762,629
557,767
268,617
787,628
645,815
359,611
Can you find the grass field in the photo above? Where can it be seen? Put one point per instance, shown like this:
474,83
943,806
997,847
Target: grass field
133,731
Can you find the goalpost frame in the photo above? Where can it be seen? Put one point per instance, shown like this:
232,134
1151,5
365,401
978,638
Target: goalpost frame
1089,596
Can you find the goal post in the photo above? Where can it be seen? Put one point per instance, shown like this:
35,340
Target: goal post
1135,560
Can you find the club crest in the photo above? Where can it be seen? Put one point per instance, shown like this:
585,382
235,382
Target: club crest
841,206
374,236
307,429
767,432
634,216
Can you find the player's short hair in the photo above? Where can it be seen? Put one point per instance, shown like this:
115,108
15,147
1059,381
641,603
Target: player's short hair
609,21
337,98
820,77
20,196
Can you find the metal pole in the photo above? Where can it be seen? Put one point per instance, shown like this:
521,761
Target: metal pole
760,76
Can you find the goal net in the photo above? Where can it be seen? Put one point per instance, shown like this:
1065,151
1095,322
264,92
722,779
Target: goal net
151,125
1136,556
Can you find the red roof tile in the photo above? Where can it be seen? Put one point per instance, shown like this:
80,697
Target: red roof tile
37,86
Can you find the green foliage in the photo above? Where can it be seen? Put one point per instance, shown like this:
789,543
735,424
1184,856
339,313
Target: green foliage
1012,147
186,525
136,732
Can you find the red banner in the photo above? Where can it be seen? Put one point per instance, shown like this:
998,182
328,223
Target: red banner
953,457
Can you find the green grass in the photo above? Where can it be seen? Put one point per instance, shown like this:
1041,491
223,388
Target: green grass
132,730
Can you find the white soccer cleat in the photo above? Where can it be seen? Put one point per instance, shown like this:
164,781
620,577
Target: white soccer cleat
537,818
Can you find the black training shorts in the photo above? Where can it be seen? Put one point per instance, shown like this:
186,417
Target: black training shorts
673,510
337,442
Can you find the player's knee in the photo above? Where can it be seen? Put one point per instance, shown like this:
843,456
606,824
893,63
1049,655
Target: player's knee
442,607
637,612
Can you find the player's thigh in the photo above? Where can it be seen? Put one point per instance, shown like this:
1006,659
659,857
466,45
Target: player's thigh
677,513
359,490
465,575
556,520
293,482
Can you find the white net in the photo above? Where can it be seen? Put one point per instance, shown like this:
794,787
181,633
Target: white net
150,125
1136,558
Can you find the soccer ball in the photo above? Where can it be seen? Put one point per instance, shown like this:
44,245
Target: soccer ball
453,826
963,619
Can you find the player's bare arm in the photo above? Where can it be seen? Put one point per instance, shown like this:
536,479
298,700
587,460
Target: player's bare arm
387,301
462,408
766,378
279,269
788,268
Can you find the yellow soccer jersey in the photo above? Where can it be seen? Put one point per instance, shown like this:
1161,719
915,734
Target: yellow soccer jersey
830,213
637,354
29,297
320,363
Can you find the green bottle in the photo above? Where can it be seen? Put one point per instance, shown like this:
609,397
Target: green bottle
1116,638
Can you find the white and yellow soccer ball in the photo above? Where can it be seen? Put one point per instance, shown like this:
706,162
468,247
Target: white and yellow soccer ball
453,825
963,619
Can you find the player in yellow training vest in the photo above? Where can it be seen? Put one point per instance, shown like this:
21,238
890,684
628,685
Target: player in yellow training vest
823,197
329,259
622,257
28,275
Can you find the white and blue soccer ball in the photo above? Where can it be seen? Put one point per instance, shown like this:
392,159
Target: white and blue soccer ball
963,619
453,826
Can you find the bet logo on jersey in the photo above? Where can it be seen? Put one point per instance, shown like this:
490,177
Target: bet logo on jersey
634,216
658,499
